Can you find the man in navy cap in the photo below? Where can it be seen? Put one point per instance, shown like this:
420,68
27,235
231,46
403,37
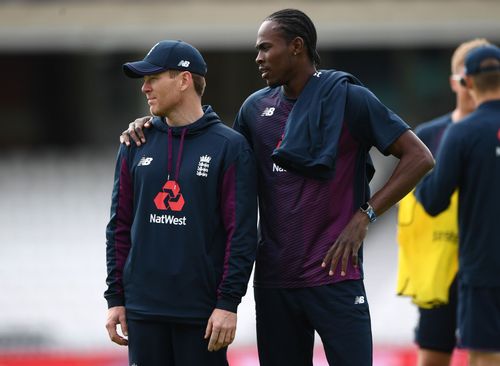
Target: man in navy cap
468,159
182,238
428,246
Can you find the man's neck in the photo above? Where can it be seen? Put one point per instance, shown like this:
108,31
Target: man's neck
296,84
464,106
481,98
460,113
184,116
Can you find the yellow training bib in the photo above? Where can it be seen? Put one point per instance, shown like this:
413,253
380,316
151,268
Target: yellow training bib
428,252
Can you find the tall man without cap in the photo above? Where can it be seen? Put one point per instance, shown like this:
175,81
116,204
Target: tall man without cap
315,209
468,159
182,237
428,246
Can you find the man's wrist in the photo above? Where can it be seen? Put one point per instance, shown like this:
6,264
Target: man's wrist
368,210
227,304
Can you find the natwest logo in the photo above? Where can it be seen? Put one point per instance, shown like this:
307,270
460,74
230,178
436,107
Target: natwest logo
170,198
167,219
277,168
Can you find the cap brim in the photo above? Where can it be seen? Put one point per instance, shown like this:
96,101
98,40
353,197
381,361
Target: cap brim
140,68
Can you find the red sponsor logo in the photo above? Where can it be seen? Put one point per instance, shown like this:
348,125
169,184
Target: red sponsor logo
170,198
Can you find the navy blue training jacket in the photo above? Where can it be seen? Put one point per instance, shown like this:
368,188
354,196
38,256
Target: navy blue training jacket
312,132
468,158
182,237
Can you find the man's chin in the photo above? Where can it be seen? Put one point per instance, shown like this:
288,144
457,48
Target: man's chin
273,83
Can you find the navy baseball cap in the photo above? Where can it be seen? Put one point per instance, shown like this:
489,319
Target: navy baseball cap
168,55
477,55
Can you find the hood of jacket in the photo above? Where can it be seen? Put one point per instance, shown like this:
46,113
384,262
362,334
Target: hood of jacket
208,119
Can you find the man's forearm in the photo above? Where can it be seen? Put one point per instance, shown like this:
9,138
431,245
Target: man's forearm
415,161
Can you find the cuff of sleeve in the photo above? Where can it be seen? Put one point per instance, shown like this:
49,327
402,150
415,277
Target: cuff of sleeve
115,301
227,304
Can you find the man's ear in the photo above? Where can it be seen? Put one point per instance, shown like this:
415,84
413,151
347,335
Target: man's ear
467,82
297,45
186,79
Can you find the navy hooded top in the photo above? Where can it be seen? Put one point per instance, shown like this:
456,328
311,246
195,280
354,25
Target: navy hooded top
468,159
181,240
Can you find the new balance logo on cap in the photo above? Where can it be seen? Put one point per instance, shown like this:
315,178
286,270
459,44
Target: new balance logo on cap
183,63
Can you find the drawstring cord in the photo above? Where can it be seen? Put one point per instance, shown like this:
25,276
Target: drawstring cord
169,167
179,156
178,165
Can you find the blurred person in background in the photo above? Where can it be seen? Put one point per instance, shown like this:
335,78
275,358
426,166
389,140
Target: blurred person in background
314,198
428,246
468,160
182,237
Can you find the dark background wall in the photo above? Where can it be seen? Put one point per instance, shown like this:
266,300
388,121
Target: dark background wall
83,99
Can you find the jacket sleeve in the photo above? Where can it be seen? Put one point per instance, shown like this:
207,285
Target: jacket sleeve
435,190
239,216
118,240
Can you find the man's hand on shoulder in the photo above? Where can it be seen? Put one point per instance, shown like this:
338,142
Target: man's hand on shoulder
221,329
135,132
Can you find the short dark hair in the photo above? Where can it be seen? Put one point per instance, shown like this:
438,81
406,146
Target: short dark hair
295,23
199,84
489,80
198,81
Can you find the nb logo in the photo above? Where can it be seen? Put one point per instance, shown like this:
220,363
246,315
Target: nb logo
359,300
317,74
145,161
183,63
269,111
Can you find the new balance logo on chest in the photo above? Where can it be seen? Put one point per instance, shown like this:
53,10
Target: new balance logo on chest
144,161
268,112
